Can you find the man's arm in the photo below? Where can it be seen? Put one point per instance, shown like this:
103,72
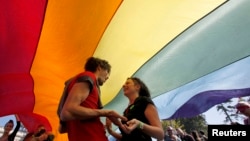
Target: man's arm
72,109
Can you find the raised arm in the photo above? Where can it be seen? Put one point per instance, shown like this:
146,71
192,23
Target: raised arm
18,124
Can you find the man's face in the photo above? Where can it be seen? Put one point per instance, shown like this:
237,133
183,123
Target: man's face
103,76
170,132
246,112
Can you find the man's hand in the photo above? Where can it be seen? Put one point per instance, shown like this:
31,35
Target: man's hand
116,118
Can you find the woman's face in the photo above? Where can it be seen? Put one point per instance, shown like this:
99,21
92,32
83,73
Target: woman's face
8,127
130,87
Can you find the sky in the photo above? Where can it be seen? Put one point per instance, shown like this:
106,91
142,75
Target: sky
217,117
214,117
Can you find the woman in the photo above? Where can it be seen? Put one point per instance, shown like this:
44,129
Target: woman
143,120
8,127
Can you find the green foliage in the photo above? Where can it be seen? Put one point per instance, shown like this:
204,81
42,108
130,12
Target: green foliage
172,123
195,123
199,122
187,124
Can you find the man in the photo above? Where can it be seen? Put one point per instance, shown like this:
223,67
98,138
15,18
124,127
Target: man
170,135
244,108
82,108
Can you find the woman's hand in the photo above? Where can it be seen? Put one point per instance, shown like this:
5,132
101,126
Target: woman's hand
108,124
132,125
116,118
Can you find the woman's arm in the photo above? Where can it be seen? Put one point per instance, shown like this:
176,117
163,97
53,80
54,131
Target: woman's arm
110,131
153,129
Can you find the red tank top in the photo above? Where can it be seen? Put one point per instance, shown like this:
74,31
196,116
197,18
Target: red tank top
91,129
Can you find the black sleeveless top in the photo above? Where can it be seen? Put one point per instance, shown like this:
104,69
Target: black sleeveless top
137,110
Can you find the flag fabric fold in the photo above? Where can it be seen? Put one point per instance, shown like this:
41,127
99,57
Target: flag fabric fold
32,121
200,95
20,28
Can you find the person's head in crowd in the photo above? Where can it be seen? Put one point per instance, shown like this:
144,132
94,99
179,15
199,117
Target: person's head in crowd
180,132
170,130
40,134
243,108
8,126
40,130
203,135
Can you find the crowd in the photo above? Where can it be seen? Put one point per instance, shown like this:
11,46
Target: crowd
179,134
41,134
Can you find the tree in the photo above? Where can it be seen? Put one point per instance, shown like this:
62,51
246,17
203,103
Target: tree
173,123
187,124
228,108
194,123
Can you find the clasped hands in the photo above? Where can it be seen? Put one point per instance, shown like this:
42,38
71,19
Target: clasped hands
126,126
